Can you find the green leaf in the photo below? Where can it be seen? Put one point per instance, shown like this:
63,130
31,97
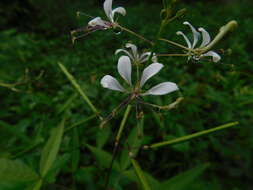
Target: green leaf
131,175
140,175
51,149
103,158
15,171
184,179
75,155
102,136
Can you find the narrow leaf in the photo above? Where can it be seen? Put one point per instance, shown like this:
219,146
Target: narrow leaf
51,149
184,179
15,171
103,158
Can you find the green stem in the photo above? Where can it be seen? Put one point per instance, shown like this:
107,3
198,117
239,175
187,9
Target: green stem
123,123
140,174
192,136
78,88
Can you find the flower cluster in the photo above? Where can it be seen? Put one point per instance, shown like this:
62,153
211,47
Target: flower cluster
206,39
125,71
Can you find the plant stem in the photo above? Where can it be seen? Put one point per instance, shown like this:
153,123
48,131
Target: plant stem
78,88
192,136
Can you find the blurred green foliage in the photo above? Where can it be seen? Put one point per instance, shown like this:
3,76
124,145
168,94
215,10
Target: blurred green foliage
32,45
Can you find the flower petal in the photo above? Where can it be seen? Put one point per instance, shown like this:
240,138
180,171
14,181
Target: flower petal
97,22
125,68
111,83
120,10
205,37
134,49
108,8
215,56
185,38
195,34
150,71
145,56
162,89
125,51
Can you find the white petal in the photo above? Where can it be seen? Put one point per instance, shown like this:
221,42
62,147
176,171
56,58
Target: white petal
108,8
97,22
133,48
195,34
120,10
111,83
125,68
205,37
216,57
145,56
162,89
125,51
185,38
150,71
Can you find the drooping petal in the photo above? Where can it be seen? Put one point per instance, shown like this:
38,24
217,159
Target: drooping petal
134,49
150,71
205,37
215,56
195,34
111,83
125,68
97,22
162,89
125,51
108,8
145,56
120,10
185,38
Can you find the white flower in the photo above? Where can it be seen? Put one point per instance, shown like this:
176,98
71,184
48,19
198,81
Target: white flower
125,71
206,39
110,13
134,55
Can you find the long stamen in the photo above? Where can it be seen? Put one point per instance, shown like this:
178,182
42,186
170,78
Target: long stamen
172,55
134,33
175,44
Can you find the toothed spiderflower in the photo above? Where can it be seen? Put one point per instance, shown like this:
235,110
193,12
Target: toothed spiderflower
194,52
125,71
134,55
100,24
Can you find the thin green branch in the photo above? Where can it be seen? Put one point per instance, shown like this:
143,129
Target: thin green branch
192,136
78,88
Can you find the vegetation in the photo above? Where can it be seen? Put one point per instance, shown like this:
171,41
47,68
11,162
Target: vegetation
50,137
